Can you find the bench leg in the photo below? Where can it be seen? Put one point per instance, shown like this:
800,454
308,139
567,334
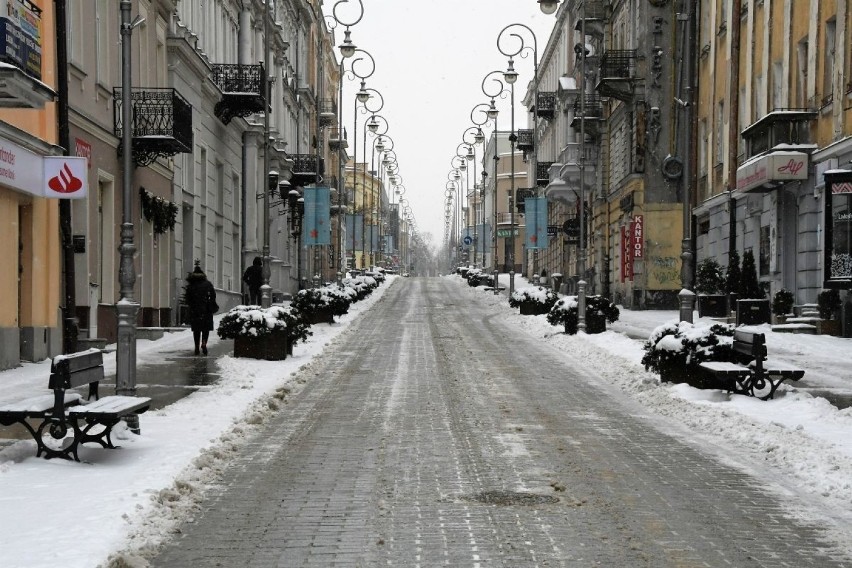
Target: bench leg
102,437
57,430
764,387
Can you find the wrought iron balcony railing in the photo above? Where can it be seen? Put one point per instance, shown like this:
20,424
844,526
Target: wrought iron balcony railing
542,173
307,169
526,140
242,89
521,194
617,74
588,115
545,106
337,139
162,123
328,112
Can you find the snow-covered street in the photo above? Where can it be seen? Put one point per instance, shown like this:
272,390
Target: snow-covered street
130,500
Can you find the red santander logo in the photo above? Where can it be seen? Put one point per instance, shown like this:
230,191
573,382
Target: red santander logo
65,182
65,177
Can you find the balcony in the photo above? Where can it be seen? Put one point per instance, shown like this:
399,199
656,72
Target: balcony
327,112
162,123
337,140
545,106
521,194
305,171
542,176
577,162
242,90
595,19
618,73
588,115
789,127
526,141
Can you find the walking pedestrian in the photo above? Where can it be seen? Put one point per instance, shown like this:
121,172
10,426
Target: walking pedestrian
253,277
201,300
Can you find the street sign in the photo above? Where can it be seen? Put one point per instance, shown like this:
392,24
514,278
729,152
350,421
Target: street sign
467,240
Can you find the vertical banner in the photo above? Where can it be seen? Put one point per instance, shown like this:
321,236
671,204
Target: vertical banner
535,218
626,255
317,224
637,232
354,228
373,238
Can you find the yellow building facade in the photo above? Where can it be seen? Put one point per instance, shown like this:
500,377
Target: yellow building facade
31,283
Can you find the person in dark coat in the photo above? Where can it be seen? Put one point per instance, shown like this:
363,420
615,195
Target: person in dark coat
253,277
201,300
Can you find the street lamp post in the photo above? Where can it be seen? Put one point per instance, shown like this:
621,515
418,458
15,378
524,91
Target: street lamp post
362,96
127,307
505,38
347,50
372,126
492,113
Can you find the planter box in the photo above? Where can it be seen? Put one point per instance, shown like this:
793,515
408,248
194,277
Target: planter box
533,309
829,327
595,324
693,375
273,347
712,306
320,316
753,312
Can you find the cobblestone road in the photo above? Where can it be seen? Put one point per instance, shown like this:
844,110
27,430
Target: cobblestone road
434,436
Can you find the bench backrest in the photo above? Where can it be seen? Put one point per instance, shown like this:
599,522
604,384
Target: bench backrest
750,345
77,369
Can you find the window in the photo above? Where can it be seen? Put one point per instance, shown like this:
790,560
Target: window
828,63
720,132
802,75
102,43
765,251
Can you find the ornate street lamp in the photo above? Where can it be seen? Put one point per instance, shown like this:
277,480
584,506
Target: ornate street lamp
347,51
492,112
511,43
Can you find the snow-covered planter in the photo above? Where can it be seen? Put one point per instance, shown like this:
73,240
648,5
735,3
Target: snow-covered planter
362,285
675,349
599,310
320,305
262,333
476,277
533,300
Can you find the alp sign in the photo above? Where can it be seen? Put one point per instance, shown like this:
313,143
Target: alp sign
65,177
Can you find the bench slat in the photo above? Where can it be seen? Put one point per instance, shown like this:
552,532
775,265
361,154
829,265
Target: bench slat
37,404
725,368
114,405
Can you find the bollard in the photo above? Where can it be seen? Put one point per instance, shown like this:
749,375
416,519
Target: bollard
581,306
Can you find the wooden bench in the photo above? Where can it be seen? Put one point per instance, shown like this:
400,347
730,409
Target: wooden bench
49,418
750,372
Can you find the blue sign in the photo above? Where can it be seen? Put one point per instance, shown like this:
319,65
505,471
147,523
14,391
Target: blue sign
536,222
467,240
317,220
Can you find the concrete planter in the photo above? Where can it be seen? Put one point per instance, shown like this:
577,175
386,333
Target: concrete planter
324,315
712,306
528,309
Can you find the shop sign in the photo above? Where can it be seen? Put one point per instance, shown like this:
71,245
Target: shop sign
770,169
63,177
626,255
637,232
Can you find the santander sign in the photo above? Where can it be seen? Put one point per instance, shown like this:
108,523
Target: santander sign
65,177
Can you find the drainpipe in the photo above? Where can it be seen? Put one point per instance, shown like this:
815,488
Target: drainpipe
69,316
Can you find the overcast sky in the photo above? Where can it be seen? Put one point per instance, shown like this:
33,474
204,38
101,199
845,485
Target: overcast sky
431,57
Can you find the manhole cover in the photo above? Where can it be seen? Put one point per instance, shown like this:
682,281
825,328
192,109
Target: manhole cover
511,498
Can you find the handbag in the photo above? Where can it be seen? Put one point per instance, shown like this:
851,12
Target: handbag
212,305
